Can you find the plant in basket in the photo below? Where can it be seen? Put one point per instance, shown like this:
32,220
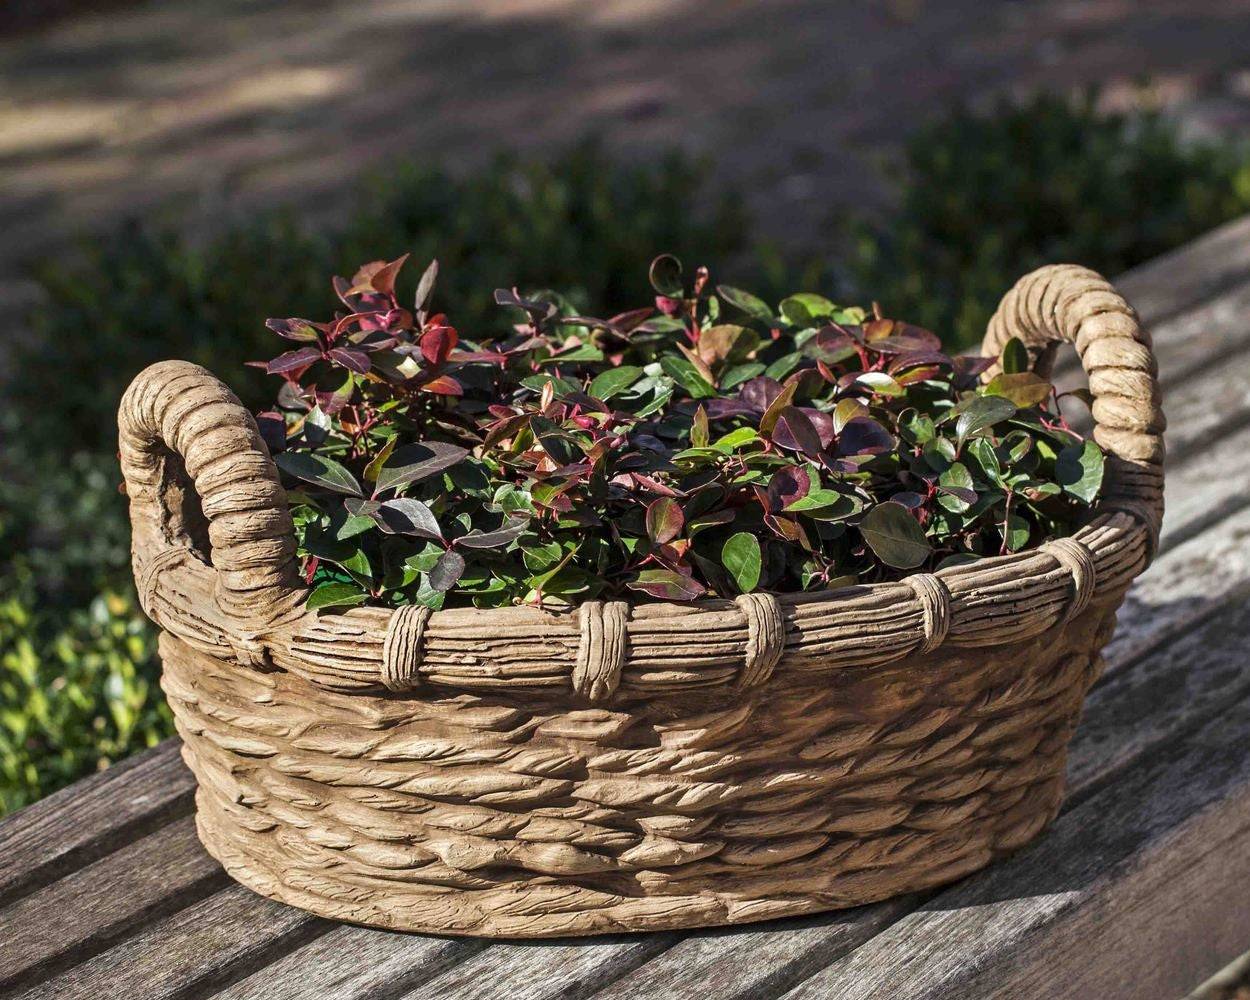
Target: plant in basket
708,612
706,444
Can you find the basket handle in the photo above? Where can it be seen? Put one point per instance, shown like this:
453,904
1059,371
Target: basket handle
1064,303
200,480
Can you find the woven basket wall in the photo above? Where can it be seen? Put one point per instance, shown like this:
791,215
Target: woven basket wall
519,773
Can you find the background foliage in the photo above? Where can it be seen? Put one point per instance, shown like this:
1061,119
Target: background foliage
981,201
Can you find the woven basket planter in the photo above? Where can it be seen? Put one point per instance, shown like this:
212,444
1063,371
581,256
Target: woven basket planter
520,773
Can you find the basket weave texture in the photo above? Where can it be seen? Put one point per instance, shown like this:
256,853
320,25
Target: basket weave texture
519,773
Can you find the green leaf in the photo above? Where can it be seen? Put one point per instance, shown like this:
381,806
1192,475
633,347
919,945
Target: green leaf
738,374
1014,358
805,308
750,304
336,594
561,386
880,384
822,501
982,412
741,557
415,462
614,381
1079,470
380,459
582,352
895,536
735,439
687,376
784,365
957,493
1023,388
699,429
1015,533
318,470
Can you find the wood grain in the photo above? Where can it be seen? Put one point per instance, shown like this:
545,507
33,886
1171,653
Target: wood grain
192,952
82,913
78,824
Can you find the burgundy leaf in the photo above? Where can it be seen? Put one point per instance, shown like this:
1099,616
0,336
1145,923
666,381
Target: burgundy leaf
353,360
406,516
293,360
668,585
864,436
759,393
664,520
447,571
794,432
787,485
476,539
272,430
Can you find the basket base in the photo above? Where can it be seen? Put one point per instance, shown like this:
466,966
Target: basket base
484,815
531,910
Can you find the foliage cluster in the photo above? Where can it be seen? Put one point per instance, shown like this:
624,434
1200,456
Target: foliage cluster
708,443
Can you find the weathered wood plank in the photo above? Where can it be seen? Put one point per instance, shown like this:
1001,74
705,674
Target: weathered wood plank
534,970
1142,890
82,913
1175,282
78,824
193,952
381,964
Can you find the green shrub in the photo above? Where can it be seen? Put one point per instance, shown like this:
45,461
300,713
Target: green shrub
77,689
986,198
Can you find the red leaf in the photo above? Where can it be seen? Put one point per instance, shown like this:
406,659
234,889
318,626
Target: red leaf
292,360
664,520
357,361
444,385
378,276
437,343
668,585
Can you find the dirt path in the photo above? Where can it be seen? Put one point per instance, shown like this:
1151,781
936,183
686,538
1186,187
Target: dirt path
800,101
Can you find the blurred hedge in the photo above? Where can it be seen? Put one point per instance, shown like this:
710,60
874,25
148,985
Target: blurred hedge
981,200
985,199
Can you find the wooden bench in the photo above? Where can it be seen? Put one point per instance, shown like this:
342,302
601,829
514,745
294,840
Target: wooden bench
1141,888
